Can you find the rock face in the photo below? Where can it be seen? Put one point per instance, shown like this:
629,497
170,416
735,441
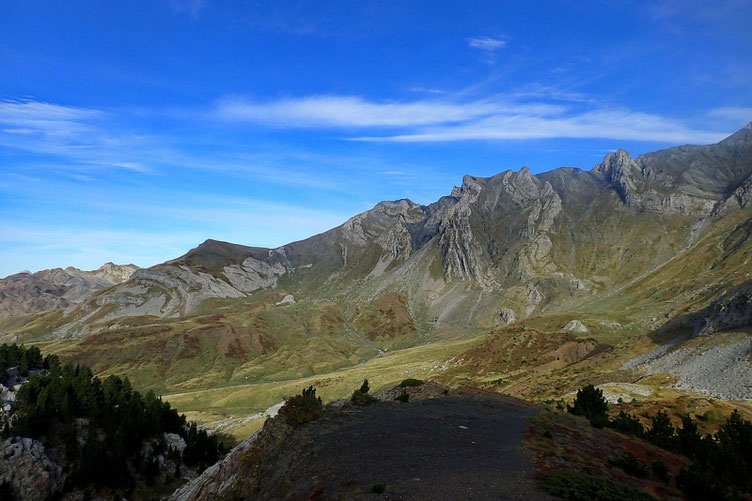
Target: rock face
218,481
25,466
690,180
57,288
730,311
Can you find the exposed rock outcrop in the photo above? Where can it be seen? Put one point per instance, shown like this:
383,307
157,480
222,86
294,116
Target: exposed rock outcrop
25,466
730,311
506,317
218,481
576,326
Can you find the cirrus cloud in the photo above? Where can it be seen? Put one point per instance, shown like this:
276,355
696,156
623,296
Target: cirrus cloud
509,117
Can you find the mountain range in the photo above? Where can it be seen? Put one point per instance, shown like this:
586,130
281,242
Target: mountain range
630,255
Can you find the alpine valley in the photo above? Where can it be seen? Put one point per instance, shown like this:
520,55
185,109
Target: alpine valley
634,276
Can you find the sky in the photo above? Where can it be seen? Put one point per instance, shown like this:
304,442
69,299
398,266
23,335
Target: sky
133,131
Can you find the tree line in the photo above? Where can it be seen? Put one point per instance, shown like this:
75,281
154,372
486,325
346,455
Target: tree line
102,425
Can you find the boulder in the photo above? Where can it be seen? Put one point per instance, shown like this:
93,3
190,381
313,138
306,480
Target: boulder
576,326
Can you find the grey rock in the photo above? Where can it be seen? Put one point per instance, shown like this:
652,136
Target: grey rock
576,326
506,317
25,466
57,288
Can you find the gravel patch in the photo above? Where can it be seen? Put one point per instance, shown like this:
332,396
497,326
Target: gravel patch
721,371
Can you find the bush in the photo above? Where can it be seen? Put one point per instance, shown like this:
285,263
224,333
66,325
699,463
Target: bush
403,397
365,387
302,408
361,397
378,488
631,465
410,383
660,471
582,487
627,423
590,404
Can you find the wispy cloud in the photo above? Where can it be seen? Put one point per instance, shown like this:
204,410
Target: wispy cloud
488,46
51,120
486,43
739,114
523,115
603,124
356,112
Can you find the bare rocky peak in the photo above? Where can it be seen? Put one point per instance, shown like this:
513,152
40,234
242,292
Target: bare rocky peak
57,288
692,180
115,273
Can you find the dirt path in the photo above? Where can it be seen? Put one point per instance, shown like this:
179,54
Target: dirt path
456,447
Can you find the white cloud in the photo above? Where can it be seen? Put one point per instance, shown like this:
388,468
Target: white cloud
490,47
739,114
31,117
510,117
352,111
486,43
603,124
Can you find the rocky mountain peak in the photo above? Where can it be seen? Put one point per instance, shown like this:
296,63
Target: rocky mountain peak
116,273
615,165
57,288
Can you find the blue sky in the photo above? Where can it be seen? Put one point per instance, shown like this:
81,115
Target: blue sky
132,131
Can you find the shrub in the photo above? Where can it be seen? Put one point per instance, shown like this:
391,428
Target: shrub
627,423
403,397
590,404
582,487
378,488
631,465
302,408
410,383
660,471
361,397
365,388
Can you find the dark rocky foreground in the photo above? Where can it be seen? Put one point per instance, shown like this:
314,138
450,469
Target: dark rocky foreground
466,446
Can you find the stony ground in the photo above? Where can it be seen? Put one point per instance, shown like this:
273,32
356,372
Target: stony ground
717,365
457,447
465,446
